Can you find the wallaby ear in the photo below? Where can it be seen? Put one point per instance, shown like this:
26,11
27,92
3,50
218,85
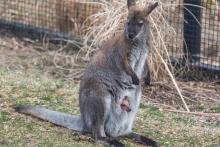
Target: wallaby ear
150,8
131,3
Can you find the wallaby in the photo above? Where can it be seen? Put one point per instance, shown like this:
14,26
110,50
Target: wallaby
110,81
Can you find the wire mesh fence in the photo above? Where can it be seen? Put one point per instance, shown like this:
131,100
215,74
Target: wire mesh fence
196,23
210,36
52,16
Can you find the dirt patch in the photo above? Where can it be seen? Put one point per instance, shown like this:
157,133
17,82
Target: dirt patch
200,96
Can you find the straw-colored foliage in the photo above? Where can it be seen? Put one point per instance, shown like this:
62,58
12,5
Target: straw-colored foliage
110,20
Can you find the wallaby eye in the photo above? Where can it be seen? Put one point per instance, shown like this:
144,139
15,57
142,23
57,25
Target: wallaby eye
128,23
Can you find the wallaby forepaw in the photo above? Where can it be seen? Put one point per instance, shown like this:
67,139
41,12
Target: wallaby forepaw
135,80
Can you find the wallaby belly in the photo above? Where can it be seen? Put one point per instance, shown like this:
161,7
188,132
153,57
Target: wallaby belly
119,121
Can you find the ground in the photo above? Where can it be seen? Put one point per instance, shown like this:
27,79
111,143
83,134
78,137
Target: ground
30,73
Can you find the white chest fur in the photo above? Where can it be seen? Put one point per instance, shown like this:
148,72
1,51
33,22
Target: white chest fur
137,59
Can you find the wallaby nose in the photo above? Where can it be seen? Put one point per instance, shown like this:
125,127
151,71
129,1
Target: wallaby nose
131,35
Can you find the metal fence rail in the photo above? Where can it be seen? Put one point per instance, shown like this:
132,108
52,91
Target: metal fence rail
61,16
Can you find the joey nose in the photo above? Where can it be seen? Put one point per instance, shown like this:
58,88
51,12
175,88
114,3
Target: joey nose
131,35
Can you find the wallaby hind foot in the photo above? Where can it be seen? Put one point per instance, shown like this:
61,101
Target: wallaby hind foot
142,139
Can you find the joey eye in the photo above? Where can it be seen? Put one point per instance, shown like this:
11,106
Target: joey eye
128,23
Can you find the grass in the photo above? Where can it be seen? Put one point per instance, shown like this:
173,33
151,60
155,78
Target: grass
23,82
215,108
22,87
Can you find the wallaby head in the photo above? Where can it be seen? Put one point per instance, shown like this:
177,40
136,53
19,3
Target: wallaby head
136,26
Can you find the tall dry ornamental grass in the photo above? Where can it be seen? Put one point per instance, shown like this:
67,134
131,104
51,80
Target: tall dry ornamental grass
111,19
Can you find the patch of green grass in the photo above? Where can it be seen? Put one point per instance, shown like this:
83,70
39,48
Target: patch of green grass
215,108
185,119
213,145
200,107
192,140
46,97
4,116
142,105
154,112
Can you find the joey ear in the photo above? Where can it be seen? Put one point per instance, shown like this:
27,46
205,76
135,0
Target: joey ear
150,8
131,3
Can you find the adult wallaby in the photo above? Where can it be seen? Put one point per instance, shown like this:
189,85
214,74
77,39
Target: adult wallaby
111,76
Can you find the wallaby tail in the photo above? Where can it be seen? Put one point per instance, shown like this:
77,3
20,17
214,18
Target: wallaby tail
61,119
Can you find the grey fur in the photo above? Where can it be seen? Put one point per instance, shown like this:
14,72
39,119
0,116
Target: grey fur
72,122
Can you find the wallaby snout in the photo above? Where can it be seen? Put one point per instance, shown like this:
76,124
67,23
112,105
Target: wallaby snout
131,35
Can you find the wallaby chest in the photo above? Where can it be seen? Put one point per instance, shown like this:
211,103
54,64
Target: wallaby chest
137,58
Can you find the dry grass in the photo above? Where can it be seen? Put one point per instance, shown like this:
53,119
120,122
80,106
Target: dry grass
111,20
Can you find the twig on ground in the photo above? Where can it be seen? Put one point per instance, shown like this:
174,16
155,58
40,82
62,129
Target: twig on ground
194,113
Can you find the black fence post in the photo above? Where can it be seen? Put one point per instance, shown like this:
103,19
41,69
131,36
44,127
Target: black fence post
192,30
